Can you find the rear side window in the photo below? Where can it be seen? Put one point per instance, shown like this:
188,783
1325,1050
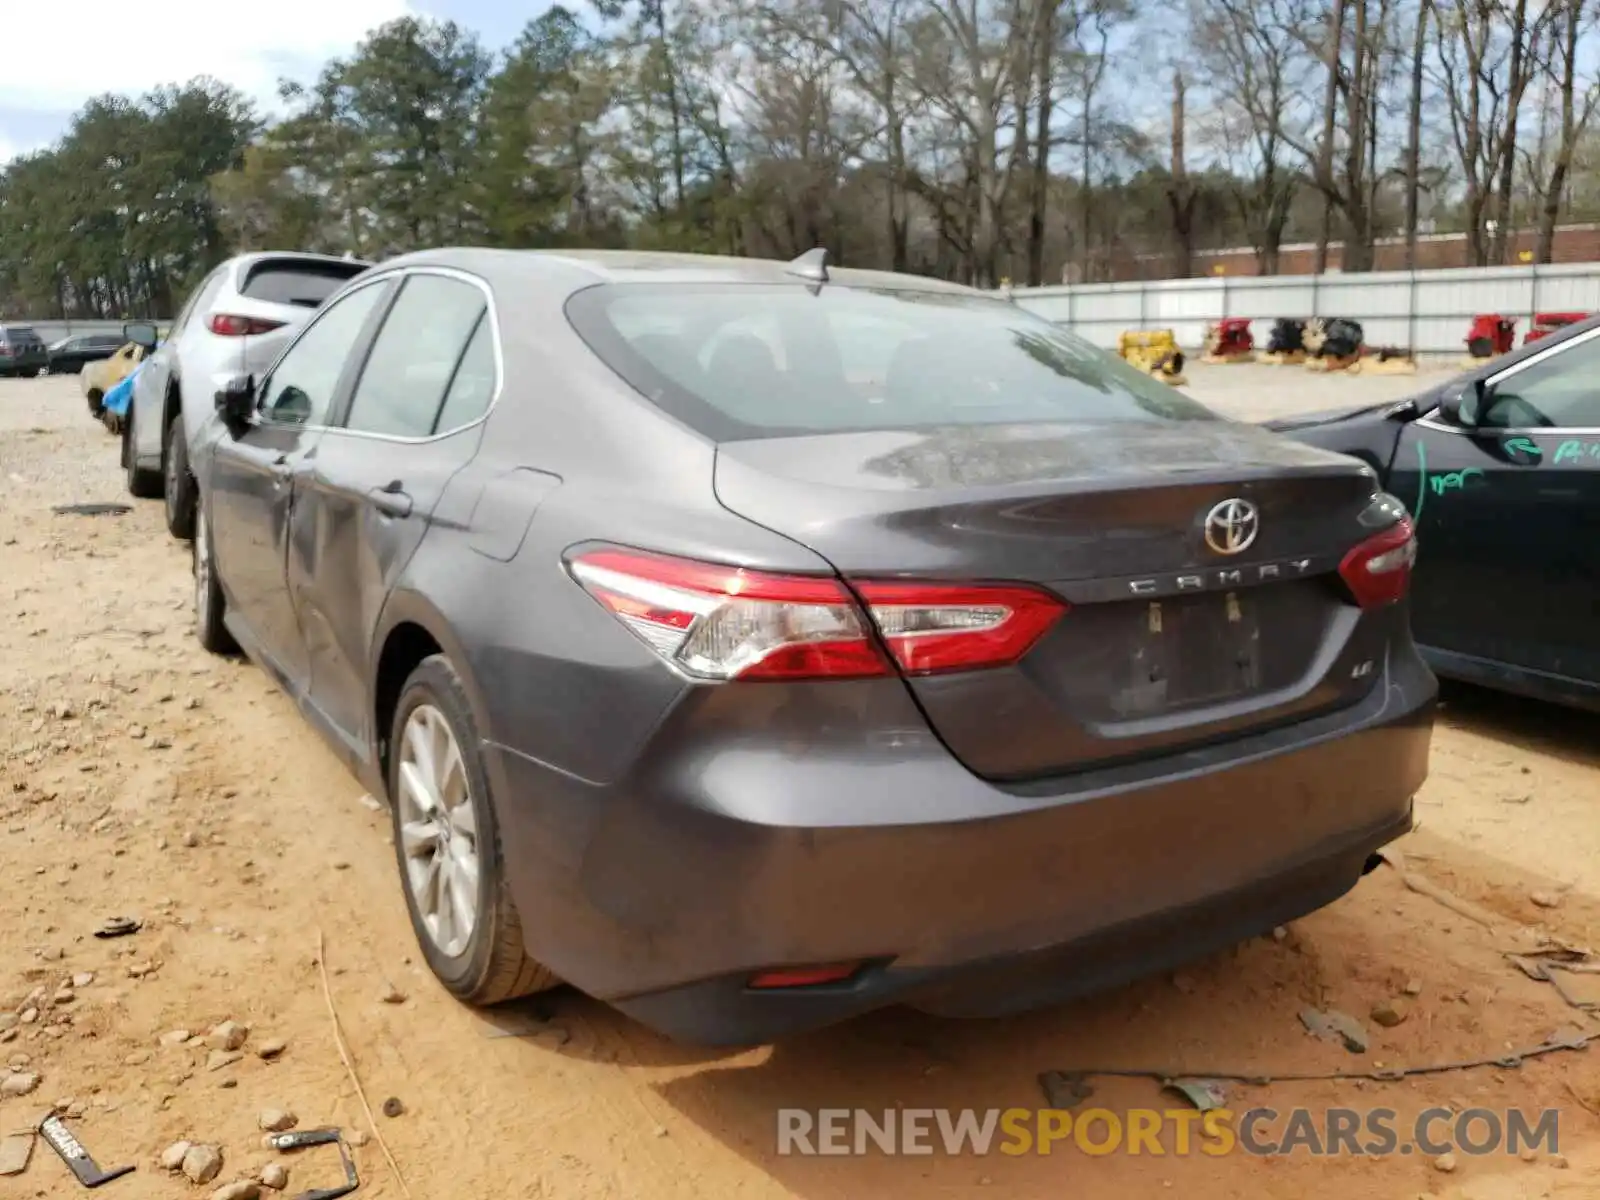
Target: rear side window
303,284
472,390
415,357
749,361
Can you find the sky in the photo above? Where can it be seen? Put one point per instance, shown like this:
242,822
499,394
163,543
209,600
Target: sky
130,50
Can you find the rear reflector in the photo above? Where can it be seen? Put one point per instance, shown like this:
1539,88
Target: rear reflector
720,622
803,977
228,325
1378,571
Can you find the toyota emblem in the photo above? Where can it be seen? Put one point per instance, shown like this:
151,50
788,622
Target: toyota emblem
1231,526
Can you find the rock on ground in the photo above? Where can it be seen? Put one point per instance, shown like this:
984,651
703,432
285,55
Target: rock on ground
202,1164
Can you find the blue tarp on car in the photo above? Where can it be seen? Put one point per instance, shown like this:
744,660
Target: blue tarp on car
116,401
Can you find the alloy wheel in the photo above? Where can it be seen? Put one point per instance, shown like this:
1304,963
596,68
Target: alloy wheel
438,830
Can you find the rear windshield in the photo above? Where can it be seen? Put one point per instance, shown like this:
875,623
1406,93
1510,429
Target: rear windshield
305,285
749,361
18,335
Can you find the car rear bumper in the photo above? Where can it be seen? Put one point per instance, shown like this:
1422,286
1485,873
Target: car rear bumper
664,893
27,362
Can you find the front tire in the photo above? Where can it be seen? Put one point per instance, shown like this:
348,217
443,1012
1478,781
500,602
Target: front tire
177,483
142,484
209,604
447,845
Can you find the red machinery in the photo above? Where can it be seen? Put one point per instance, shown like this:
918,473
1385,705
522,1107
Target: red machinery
1546,323
1230,338
1491,334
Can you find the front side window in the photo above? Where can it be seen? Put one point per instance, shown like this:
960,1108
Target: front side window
301,389
415,356
749,361
1562,391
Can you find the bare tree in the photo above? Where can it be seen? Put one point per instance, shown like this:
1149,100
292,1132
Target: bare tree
1485,63
1413,171
1562,65
1257,68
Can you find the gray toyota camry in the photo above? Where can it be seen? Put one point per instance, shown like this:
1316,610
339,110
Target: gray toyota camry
754,644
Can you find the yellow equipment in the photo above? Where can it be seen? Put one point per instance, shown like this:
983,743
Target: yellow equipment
1153,351
98,378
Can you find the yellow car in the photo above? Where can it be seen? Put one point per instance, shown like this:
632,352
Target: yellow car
98,378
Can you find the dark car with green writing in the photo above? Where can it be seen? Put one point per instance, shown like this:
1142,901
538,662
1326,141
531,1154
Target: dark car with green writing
1501,469
22,351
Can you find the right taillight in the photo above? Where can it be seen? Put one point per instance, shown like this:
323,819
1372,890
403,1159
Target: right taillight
229,325
722,622
1378,570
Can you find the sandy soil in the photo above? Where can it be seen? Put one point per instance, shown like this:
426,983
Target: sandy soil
140,776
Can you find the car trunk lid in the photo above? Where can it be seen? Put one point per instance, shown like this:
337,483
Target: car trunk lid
1168,641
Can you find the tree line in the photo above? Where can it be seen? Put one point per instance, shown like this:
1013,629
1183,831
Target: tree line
977,140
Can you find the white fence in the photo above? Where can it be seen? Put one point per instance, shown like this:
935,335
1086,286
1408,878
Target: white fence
50,329
1427,311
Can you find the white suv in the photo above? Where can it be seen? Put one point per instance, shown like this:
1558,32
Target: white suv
235,323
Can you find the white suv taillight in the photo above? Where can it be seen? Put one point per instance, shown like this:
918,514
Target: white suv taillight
1378,570
230,325
721,622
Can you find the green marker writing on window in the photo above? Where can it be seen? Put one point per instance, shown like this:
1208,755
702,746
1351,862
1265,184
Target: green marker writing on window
1526,447
1572,450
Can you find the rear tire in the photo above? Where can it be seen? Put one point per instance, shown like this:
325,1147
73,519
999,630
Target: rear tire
209,605
177,483
142,484
489,965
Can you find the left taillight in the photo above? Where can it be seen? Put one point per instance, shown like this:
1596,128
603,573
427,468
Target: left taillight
1378,570
230,325
722,622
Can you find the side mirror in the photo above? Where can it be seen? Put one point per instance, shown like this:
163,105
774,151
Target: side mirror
236,400
1466,407
142,334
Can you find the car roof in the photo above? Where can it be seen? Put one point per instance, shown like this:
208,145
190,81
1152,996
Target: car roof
575,270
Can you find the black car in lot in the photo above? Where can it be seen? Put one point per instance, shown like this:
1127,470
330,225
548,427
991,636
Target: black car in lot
69,355
22,351
752,645
1500,470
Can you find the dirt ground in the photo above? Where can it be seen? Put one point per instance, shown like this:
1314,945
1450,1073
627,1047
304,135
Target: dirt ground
141,777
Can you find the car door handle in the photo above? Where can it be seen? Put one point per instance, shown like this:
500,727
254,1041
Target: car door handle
390,501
